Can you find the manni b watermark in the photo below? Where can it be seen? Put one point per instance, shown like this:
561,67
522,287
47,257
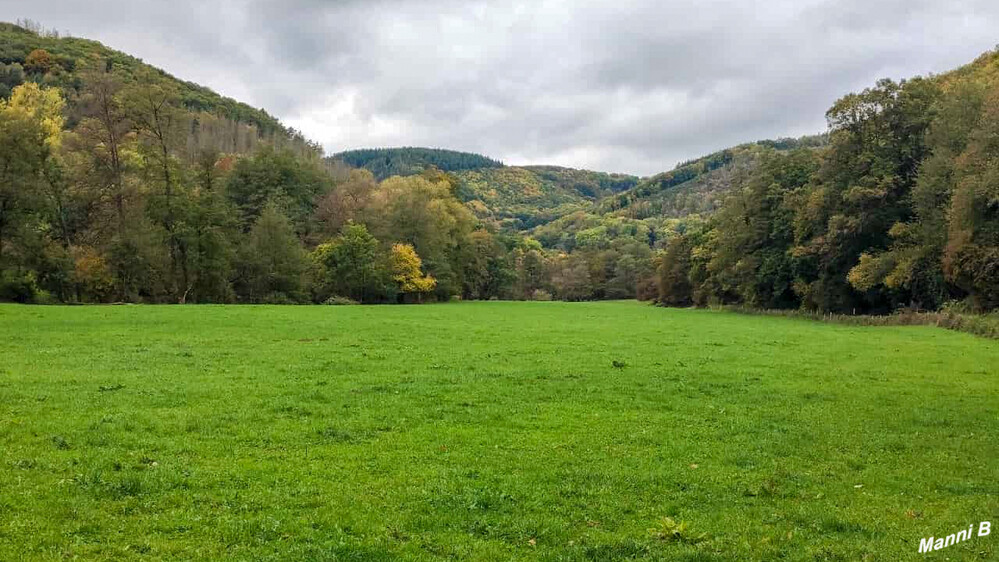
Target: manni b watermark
931,544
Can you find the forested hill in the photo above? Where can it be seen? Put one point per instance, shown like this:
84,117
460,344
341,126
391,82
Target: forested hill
407,161
522,197
517,197
699,185
649,210
66,62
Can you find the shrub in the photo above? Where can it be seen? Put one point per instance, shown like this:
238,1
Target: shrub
38,61
647,289
16,287
541,295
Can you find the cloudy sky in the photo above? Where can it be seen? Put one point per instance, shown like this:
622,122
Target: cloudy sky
624,85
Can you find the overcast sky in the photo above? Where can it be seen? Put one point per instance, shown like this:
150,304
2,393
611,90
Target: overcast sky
623,86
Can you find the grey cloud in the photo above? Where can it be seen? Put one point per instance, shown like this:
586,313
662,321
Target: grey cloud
630,85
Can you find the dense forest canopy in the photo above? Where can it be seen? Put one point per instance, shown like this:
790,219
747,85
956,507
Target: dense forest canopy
119,182
387,162
522,197
59,61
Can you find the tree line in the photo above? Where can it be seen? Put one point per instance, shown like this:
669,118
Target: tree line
115,187
119,193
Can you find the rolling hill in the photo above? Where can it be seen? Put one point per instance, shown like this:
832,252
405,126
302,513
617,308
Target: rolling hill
62,62
522,197
697,186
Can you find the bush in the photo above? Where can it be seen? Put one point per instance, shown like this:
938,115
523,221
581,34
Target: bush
958,307
647,289
15,287
336,300
541,295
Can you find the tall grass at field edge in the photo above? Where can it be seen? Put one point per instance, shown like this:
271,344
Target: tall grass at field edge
984,325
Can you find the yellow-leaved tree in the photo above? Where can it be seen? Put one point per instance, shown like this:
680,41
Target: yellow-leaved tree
43,106
406,271
30,131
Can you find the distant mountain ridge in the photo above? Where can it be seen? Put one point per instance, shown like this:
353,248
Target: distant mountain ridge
410,160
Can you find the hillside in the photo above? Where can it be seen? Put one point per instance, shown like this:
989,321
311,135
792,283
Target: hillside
698,186
522,197
63,62
654,207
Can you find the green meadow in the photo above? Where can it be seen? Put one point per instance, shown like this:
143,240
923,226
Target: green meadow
488,431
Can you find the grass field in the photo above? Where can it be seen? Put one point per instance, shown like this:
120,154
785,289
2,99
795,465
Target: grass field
489,431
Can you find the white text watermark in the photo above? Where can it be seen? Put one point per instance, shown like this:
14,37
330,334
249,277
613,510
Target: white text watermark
931,544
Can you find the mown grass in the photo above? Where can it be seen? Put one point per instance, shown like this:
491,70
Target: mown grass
488,431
